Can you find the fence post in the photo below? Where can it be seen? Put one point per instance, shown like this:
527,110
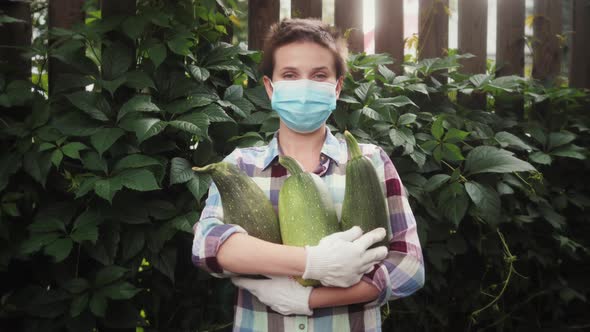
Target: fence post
261,15
16,34
580,55
510,52
546,47
306,8
389,30
348,14
62,14
433,28
473,28
510,37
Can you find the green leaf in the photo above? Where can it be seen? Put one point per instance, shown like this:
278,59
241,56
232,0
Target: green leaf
37,165
38,241
406,119
199,73
133,26
79,304
138,179
436,181
157,54
105,138
73,149
417,87
398,137
507,139
60,249
56,157
180,171
90,103
185,222
479,80
144,128
488,159
116,60
453,201
47,224
455,135
451,152
199,119
540,158
233,92
139,80
371,113
259,97
139,103
399,101
135,161
106,188
199,185
186,126
560,139
76,285
437,129
109,274
92,161
120,291
387,73
570,151
180,44
217,114
86,227
98,305
486,200
555,219
112,85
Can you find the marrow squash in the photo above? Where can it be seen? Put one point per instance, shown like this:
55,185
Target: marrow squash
306,209
364,203
243,202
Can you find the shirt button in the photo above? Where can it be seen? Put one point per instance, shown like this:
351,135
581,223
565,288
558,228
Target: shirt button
302,326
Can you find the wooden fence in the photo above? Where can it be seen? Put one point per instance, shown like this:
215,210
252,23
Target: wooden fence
433,30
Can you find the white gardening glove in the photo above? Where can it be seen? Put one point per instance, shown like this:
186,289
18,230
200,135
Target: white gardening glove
341,259
283,294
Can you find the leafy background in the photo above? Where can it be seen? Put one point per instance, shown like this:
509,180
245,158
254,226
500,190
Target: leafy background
98,199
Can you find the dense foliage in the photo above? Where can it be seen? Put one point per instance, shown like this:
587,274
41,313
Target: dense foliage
98,198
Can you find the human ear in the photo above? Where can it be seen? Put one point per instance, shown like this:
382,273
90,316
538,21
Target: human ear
339,86
267,86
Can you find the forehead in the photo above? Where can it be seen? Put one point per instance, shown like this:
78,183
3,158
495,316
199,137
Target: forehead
303,56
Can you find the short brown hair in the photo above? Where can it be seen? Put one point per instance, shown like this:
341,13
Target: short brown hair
294,30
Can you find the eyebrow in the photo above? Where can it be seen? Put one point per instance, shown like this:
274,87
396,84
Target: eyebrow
314,69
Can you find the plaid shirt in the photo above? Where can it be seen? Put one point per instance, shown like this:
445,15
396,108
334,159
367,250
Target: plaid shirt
399,275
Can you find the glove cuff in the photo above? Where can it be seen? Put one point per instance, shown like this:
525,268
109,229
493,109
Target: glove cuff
315,263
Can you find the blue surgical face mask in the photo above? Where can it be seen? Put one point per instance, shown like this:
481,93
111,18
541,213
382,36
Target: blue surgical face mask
303,105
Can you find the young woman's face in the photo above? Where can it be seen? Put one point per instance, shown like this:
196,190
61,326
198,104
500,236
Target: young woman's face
303,60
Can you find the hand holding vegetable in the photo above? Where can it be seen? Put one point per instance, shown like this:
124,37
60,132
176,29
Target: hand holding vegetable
282,294
341,259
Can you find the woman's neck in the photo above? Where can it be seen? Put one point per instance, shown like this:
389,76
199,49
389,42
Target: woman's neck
305,148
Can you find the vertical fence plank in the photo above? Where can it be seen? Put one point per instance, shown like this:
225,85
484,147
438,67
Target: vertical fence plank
510,37
348,14
580,55
261,15
13,65
546,51
62,14
473,27
389,30
433,28
306,8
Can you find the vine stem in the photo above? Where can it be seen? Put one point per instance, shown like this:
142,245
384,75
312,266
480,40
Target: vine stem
509,258
453,169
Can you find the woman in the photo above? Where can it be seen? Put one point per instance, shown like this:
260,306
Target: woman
304,65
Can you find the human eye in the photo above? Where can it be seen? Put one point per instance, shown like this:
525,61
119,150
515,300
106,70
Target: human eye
289,76
320,76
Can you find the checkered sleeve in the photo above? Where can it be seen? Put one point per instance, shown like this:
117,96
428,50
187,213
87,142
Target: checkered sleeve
210,233
401,273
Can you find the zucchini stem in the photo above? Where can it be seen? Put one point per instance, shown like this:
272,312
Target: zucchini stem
290,164
353,145
205,169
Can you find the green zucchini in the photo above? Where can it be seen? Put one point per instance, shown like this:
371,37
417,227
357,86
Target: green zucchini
306,210
364,203
243,202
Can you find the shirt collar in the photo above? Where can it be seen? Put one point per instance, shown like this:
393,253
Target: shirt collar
332,148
